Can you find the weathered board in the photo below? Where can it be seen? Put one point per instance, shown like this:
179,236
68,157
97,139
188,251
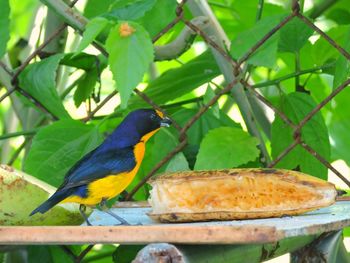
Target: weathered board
144,230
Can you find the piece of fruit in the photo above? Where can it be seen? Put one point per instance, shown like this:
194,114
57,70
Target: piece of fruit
20,193
236,194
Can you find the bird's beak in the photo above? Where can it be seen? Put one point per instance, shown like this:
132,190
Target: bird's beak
165,122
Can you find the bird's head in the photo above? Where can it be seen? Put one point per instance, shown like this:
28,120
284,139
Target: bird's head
139,125
147,121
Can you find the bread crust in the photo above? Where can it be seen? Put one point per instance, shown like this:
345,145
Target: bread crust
233,194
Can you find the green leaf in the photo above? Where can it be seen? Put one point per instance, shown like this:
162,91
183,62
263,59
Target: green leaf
264,55
85,87
226,147
58,147
340,16
39,80
177,163
84,61
154,21
339,132
296,106
177,82
321,51
96,7
130,55
4,26
58,255
39,254
92,29
206,122
129,9
294,35
126,253
342,67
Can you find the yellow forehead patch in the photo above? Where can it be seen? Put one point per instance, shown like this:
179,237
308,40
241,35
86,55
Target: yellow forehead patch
160,114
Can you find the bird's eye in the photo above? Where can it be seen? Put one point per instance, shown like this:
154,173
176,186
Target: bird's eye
153,117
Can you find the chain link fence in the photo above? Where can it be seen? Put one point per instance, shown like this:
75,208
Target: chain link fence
238,74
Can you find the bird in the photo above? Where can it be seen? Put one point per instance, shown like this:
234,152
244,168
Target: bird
107,170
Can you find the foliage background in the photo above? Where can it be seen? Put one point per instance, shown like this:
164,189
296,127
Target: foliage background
71,96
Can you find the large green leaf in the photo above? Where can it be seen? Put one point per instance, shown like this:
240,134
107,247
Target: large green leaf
179,81
58,147
154,21
296,106
129,9
294,35
130,54
226,147
264,55
39,80
92,29
4,25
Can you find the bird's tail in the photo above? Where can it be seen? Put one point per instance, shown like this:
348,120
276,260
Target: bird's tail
49,203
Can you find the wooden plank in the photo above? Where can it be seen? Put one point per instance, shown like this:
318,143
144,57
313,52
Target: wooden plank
136,234
144,230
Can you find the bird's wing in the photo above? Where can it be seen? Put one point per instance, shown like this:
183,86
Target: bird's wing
98,164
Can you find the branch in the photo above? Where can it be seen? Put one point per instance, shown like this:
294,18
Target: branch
182,43
216,33
20,133
68,14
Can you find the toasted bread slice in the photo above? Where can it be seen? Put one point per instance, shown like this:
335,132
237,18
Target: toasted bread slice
236,194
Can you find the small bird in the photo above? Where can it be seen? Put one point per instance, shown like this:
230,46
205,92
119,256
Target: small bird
107,170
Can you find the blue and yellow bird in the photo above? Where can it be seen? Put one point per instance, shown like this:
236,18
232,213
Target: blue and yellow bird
107,170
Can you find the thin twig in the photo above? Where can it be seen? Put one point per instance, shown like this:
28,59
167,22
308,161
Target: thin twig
292,75
20,133
17,152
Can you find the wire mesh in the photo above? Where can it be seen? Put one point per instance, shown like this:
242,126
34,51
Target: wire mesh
238,70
